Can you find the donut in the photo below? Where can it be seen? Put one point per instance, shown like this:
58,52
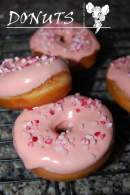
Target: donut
65,140
118,79
33,81
76,45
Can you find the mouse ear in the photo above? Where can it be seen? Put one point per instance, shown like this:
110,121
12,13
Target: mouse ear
89,7
105,9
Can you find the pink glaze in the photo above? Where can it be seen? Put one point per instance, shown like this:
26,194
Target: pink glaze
87,134
18,76
69,43
119,71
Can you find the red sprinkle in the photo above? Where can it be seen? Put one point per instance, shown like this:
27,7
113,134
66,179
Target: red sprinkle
103,122
97,133
34,138
103,136
48,141
52,112
78,110
83,102
28,128
37,121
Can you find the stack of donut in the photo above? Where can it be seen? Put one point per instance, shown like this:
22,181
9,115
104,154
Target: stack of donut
58,137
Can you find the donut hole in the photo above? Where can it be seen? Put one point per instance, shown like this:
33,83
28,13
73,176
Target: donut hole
62,128
62,39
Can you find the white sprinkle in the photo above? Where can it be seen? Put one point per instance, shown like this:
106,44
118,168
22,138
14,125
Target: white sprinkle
109,125
16,58
23,60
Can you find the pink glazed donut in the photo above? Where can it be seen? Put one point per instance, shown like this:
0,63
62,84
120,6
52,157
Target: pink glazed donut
65,140
78,45
33,81
118,80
